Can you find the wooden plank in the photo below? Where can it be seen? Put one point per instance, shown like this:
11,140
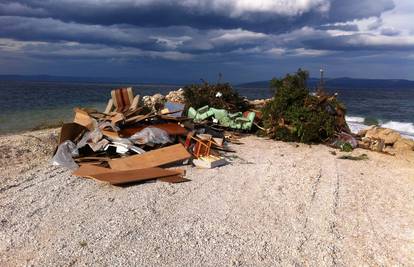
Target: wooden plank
125,177
151,158
174,179
89,170
83,118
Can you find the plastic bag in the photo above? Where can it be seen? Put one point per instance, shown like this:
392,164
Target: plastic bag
64,155
92,138
150,136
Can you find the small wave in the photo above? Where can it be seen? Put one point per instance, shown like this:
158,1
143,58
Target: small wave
355,119
405,128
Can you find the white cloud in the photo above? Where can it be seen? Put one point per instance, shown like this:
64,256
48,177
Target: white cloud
238,36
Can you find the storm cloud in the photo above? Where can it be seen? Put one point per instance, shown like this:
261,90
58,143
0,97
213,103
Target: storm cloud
242,39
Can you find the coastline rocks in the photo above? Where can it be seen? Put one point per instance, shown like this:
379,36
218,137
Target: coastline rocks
383,139
388,135
404,144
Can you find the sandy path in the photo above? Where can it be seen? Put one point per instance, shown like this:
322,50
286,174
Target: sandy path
276,204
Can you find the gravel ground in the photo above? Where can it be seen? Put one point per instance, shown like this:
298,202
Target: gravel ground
275,204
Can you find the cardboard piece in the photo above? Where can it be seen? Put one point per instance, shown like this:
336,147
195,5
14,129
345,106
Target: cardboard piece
71,131
151,158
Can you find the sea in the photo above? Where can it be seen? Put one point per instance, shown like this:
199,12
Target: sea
27,105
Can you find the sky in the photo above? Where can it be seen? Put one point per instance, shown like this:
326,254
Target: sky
189,40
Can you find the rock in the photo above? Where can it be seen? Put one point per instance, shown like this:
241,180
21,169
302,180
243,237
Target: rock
363,132
389,136
153,101
404,144
176,96
259,103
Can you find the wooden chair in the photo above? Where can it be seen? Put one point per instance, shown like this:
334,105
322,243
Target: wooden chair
123,100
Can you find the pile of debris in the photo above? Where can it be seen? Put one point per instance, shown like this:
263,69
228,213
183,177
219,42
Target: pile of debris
132,141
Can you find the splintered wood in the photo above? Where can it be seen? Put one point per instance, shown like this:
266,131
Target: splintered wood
116,177
153,158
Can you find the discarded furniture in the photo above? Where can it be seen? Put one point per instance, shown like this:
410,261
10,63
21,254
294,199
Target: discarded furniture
122,100
235,121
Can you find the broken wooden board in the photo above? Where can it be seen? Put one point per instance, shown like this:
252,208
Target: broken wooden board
174,179
88,170
71,131
125,177
82,117
151,158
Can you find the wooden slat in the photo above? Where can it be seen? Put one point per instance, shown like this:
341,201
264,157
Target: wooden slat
151,158
89,170
124,177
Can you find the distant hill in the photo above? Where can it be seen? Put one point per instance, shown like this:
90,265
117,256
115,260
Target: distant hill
75,79
344,83
312,82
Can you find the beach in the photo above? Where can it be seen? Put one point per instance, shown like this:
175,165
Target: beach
275,203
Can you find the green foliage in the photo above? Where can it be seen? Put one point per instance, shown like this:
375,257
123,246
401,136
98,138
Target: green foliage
199,95
295,115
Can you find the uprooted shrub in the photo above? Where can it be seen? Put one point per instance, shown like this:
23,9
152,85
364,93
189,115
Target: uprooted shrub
220,95
294,114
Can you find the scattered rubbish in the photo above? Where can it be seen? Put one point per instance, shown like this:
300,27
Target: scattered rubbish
238,120
131,142
136,140
350,157
150,136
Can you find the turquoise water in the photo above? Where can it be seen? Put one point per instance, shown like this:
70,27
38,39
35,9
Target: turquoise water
25,105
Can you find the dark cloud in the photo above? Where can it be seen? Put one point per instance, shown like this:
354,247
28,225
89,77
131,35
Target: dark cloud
195,35
361,42
202,15
341,27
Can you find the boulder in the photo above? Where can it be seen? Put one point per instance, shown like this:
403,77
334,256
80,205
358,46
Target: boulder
153,101
404,144
176,96
363,132
388,135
